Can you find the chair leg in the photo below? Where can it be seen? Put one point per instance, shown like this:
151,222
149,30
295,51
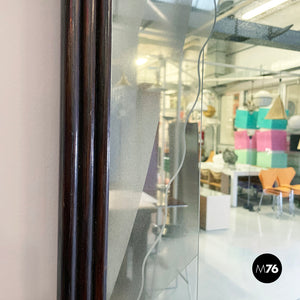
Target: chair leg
279,205
259,205
291,203
274,202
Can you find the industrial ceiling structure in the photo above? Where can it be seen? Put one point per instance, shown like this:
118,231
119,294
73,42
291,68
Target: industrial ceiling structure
252,41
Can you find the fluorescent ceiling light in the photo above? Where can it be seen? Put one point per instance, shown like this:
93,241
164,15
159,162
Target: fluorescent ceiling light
207,5
262,8
141,61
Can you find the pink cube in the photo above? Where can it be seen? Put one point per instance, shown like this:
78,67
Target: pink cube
243,141
274,140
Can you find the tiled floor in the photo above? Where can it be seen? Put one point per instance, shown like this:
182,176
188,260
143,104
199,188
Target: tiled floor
226,257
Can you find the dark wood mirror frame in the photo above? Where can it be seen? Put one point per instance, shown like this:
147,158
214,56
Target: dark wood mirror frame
85,98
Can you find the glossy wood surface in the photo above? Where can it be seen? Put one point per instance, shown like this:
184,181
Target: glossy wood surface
85,96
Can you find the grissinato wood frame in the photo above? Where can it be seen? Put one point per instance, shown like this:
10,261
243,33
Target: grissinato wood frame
83,195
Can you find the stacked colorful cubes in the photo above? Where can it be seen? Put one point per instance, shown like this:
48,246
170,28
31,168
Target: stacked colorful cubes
266,148
245,147
272,143
271,147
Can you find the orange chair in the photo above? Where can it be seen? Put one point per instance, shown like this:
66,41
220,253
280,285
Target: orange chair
210,157
284,178
267,179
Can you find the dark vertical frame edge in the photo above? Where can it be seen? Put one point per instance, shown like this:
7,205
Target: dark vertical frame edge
103,90
84,149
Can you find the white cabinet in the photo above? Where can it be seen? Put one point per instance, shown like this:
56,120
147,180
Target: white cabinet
214,209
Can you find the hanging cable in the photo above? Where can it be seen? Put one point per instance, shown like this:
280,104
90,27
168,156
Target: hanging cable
200,91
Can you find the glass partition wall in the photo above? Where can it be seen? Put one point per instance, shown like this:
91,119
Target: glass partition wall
196,235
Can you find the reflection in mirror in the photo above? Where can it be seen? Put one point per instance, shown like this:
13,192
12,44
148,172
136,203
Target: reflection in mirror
154,77
251,59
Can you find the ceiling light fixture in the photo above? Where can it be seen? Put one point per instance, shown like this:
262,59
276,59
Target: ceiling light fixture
261,9
141,61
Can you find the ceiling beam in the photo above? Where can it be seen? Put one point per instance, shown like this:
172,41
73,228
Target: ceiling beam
232,29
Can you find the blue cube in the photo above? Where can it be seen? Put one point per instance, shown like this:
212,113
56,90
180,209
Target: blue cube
245,119
269,124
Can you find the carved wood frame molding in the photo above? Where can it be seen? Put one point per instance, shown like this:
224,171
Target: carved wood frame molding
83,196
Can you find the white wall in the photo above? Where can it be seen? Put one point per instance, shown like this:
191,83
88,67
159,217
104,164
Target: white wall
29,149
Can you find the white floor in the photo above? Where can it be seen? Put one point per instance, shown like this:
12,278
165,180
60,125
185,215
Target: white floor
226,257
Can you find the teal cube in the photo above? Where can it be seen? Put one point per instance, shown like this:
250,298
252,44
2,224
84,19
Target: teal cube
245,119
272,159
269,124
246,156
